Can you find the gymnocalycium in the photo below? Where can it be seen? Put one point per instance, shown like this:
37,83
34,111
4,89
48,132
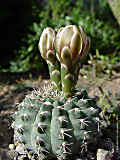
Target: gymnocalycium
58,120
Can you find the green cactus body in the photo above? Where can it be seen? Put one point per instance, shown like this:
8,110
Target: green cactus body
62,134
56,126
41,128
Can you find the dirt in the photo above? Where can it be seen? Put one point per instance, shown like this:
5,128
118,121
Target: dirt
14,88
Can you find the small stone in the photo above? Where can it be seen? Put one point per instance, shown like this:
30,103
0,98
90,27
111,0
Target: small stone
11,146
20,148
104,154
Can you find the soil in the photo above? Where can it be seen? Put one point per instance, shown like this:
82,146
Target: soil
14,87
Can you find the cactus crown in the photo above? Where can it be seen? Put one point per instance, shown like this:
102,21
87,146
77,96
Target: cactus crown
63,53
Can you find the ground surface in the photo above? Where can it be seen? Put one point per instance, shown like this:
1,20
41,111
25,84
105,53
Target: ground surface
14,87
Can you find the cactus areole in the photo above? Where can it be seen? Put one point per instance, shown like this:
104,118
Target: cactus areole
63,52
58,119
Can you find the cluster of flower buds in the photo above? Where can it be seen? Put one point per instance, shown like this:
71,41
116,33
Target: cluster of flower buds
63,52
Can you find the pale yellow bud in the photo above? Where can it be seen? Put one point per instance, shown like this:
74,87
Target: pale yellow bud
46,42
75,40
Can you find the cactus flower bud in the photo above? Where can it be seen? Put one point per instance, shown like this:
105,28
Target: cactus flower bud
46,47
71,45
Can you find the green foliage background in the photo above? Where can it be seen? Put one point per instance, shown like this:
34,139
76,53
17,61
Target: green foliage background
94,16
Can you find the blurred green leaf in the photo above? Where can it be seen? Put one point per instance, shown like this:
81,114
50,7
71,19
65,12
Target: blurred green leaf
99,26
30,48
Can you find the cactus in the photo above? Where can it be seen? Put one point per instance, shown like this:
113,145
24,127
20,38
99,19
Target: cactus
49,126
57,123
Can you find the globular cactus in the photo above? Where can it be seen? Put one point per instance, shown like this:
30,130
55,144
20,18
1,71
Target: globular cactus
55,126
54,123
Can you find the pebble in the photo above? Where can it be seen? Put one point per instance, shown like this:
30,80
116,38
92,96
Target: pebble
104,154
